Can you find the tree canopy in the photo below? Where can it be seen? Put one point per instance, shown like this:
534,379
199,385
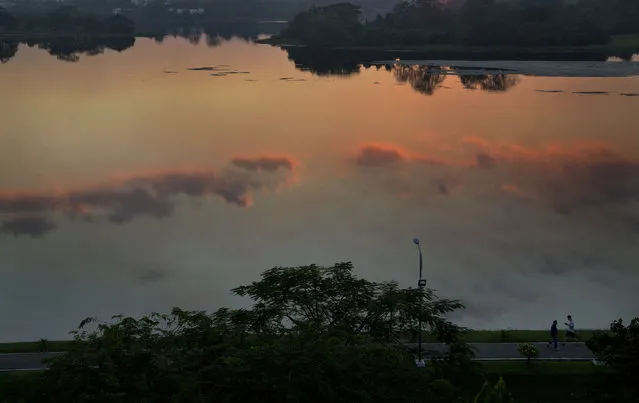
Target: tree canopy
65,20
313,333
7,21
473,22
619,350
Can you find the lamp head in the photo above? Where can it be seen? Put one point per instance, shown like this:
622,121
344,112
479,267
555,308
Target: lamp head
416,241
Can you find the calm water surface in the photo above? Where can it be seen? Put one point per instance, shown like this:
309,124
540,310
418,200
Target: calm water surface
132,184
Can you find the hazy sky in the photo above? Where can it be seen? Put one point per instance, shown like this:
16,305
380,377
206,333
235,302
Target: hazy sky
128,190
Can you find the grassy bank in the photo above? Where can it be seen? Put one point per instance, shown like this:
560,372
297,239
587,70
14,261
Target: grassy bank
474,336
548,382
542,382
619,45
35,346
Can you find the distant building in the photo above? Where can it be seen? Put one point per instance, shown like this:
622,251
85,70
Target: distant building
194,11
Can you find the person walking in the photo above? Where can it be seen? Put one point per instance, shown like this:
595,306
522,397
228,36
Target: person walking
554,334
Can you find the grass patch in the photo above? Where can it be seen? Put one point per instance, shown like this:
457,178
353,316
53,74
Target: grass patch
541,368
629,40
542,382
474,336
16,387
35,346
546,382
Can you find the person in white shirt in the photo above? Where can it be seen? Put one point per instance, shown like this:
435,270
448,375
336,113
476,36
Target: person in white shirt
571,333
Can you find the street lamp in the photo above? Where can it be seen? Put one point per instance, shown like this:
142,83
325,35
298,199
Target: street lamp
421,283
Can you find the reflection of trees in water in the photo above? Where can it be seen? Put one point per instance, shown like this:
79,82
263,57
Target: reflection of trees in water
8,50
70,48
213,41
194,37
323,62
214,35
489,82
422,79
426,79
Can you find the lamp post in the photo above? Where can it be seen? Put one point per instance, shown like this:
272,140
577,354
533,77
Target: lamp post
421,283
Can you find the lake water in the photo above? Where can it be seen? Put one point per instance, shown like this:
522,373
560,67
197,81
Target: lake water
132,184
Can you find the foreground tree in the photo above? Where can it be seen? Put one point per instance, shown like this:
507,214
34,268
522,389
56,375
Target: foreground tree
334,299
619,350
313,334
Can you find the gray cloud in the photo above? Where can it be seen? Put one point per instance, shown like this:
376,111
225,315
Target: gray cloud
372,156
269,164
611,181
33,226
485,160
26,203
138,195
153,276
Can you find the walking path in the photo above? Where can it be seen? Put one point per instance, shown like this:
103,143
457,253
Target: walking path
483,352
576,351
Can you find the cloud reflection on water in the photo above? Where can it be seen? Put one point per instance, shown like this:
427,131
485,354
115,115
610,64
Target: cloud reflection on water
567,179
123,199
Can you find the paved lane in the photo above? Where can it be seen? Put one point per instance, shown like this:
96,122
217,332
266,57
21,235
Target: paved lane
484,351
508,351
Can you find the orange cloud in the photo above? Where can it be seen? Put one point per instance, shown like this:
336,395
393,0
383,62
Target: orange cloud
124,197
376,155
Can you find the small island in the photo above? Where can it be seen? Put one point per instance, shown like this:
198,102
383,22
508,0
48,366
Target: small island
432,25
63,21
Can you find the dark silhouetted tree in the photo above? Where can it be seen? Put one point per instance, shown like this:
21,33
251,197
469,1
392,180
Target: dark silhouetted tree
619,350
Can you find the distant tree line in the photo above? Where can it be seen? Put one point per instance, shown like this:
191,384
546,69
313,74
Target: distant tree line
472,22
162,11
62,21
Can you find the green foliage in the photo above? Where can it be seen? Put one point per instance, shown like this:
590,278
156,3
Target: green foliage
65,21
336,24
313,334
494,393
528,350
334,299
475,23
619,349
7,21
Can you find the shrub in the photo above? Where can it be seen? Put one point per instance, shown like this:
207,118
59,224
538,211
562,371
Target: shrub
494,394
529,351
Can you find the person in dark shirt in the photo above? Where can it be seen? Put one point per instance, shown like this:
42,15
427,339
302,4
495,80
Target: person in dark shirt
554,335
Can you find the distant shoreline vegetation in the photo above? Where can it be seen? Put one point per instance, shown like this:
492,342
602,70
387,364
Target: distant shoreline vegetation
479,24
63,21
